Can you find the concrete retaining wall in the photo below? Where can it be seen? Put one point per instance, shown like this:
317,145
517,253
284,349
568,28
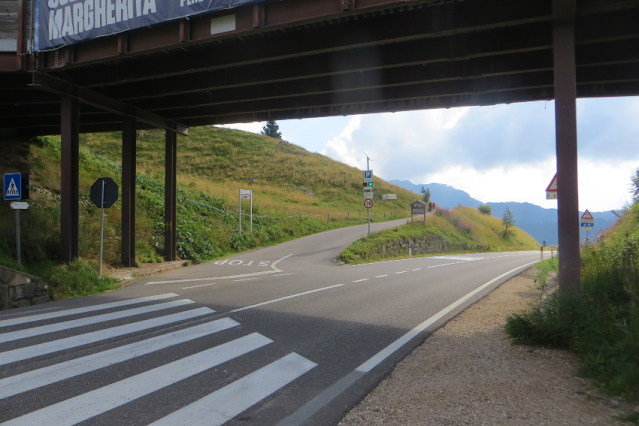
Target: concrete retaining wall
430,244
19,289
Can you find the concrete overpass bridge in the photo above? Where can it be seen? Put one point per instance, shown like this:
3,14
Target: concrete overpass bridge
252,60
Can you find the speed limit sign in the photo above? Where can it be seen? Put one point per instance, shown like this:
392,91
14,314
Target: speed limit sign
368,203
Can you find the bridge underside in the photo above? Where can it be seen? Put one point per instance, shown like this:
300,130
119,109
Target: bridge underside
316,58
323,58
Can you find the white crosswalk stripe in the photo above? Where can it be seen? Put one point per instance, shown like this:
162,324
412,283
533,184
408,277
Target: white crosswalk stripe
40,317
226,403
51,328
19,383
96,336
216,408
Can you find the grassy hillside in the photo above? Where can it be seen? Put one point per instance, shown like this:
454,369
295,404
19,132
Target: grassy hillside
463,229
286,179
295,193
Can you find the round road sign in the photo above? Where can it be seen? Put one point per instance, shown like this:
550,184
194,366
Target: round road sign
368,203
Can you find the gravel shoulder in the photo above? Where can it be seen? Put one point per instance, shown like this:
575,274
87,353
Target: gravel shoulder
468,373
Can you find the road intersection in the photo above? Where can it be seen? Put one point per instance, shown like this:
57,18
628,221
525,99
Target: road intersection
277,336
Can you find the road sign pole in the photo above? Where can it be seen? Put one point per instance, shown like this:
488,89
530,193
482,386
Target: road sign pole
240,212
102,227
369,222
18,235
251,211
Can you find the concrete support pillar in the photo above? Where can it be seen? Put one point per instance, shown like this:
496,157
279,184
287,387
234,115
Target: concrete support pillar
170,197
128,190
566,131
69,178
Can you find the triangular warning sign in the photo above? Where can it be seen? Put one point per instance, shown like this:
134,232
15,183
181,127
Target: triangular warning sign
553,185
12,191
587,215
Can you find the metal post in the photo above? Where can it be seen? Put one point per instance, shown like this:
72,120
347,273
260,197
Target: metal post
18,235
170,197
69,178
240,212
251,211
128,190
369,222
566,133
102,226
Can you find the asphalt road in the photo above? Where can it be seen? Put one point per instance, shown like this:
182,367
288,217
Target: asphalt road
277,336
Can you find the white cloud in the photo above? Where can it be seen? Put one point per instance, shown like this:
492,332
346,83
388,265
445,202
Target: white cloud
601,186
338,148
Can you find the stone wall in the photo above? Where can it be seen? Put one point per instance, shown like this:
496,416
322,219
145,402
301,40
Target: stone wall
429,244
19,289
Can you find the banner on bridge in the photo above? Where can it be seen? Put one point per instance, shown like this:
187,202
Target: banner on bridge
64,22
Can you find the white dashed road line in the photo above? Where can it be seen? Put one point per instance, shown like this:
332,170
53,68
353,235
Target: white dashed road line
381,276
359,281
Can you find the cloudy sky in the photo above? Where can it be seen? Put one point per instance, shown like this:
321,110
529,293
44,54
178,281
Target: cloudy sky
498,153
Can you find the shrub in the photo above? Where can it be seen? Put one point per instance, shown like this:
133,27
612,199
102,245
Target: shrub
487,210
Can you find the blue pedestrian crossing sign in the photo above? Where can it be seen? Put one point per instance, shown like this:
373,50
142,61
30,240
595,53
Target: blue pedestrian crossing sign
16,186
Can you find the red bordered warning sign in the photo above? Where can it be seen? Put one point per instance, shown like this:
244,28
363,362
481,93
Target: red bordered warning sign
587,216
551,191
368,203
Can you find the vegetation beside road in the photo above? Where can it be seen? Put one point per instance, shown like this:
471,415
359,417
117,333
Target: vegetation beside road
600,323
296,193
461,230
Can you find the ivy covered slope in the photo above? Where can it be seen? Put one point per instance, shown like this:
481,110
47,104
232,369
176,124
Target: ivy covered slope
461,230
295,193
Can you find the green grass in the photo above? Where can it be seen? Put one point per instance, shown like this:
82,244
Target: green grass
462,230
600,323
543,268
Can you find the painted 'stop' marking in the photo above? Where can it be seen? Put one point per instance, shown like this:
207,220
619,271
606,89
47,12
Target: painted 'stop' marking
228,277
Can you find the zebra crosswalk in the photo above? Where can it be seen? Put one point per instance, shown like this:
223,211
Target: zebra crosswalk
54,365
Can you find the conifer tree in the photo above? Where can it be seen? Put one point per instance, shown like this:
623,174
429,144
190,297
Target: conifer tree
507,222
272,129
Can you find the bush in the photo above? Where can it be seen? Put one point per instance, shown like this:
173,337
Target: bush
487,210
600,322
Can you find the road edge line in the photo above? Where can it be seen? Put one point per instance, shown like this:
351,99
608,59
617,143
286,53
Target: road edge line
313,406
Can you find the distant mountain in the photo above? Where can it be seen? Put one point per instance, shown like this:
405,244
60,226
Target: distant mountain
537,221
443,195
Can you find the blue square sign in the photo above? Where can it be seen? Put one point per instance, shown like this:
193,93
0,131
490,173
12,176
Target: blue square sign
368,174
13,186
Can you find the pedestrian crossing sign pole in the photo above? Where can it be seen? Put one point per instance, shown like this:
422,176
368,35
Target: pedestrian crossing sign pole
16,187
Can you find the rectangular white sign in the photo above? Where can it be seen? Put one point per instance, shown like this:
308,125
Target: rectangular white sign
16,205
245,194
389,197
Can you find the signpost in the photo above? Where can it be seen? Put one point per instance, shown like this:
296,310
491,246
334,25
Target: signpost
551,191
16,187
104,192
246,194
587,222
368,194
418,207
389,196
